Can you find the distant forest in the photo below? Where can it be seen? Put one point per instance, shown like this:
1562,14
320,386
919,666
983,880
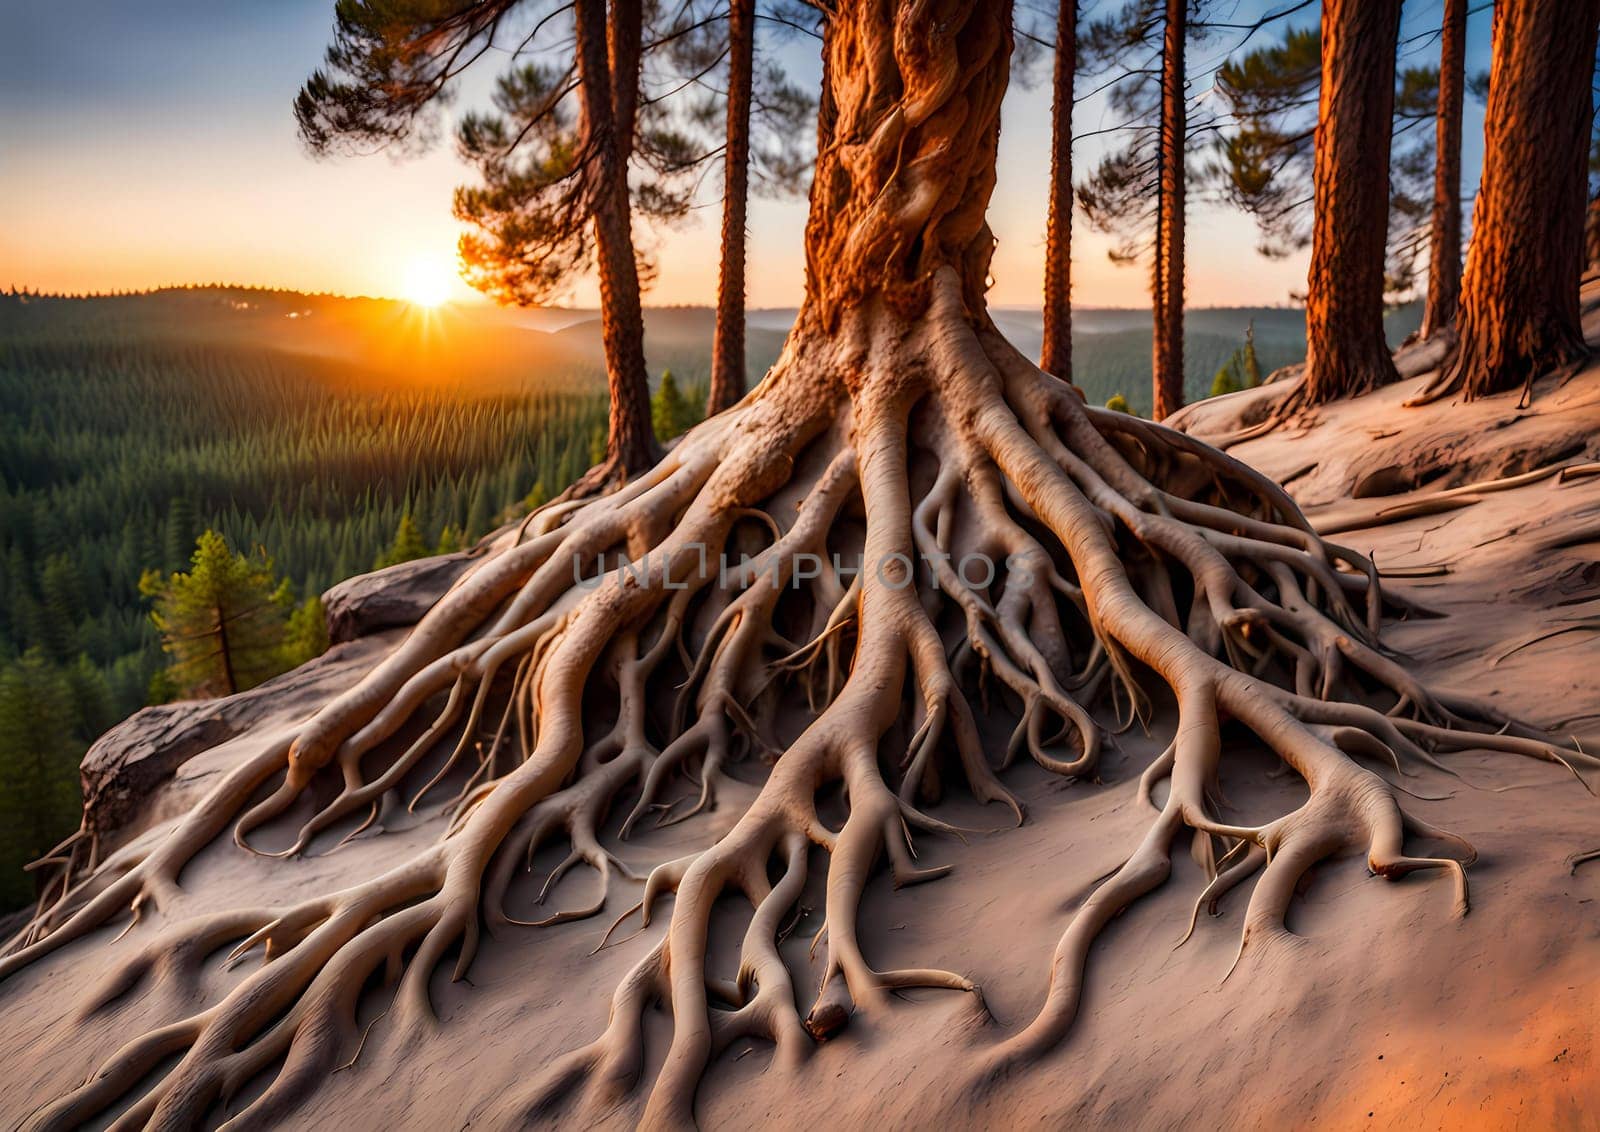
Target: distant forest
308,426
115,456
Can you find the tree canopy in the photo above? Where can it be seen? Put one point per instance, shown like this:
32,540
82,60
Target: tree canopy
223,622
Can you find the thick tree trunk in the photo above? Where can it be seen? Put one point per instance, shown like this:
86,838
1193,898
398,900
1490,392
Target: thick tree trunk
1167,343
1346,353
608,68
1444,240
1055,354
902,184
1519,304
727,347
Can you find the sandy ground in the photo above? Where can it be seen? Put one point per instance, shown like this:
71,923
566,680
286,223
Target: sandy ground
1386,1012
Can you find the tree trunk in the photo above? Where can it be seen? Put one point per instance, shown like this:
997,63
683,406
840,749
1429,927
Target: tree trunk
1167,287
1591,235
727,347
1444,240
230,683
1519,304
901,184
624,46
1346,353
1055,354
608,69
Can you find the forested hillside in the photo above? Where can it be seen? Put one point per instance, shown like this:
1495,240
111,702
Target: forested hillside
114,457
307,426
1111,348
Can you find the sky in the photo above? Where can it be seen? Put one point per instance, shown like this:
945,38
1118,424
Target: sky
152,144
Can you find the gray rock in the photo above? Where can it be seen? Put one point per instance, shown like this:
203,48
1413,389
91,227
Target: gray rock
127,769
398,595
129,765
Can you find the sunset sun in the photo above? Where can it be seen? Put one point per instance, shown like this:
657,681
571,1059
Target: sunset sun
427,281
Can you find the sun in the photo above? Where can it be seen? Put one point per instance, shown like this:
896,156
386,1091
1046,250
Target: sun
428,280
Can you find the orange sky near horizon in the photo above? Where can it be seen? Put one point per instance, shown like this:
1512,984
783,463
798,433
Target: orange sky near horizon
270,216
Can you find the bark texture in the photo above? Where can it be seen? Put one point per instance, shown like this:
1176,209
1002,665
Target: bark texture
727,347
608,61
1055,354
1132,566
1519,304
1167,284
1346,353
906,155
1444,237
1591,234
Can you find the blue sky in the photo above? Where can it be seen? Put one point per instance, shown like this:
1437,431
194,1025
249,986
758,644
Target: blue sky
151,143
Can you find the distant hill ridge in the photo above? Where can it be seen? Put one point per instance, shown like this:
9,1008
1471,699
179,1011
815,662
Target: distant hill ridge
485,349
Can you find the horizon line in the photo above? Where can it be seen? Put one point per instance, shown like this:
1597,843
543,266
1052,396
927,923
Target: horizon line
24,291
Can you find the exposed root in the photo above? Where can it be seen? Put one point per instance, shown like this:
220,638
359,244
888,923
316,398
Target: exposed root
1582,858
1380,512
926,525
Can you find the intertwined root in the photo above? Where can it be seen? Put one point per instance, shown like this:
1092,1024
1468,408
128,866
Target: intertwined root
874,475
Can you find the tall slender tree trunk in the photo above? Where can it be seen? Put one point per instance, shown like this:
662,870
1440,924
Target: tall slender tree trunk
1519,301
1591,234
727,347
1346,353
624,47
1167,342
1055,354
1444,240
608,71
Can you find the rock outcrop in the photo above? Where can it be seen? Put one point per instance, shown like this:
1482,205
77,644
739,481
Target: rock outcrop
130,765
385,599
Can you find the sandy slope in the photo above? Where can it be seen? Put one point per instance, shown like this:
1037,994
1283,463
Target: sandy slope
1386,1013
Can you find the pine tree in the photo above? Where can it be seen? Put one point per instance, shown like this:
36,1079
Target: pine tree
1055,352
1263,162
1444,238
554,198
180,532
223,623
766,144
1241,370
1137,193
451,539
408,544
93,710
61,607
1346,353
481,512
1519,315
1252,366
307,634
669,412
38,769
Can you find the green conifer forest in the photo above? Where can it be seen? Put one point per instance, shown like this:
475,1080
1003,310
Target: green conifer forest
116,456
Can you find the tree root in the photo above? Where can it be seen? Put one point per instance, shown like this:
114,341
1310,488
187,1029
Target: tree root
601,655
1381,512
